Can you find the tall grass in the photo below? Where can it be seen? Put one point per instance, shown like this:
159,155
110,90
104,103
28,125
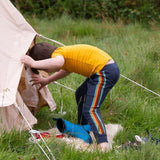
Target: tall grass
136,49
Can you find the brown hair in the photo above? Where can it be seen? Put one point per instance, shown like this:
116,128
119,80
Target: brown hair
41,51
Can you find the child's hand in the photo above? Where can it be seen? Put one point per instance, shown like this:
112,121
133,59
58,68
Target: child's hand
39,80
27,60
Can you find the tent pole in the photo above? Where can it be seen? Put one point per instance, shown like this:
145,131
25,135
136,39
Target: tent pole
31,132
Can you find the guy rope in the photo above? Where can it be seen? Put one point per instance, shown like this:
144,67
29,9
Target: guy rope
120,74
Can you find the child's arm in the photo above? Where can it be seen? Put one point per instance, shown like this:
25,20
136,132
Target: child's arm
49,65
37,79
58,75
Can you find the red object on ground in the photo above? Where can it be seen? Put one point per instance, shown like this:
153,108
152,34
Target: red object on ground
59,135
44,135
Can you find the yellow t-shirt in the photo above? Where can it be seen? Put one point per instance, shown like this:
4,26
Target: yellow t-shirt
82,59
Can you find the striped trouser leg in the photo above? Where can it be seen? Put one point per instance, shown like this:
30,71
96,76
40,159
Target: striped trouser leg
98,85
95,96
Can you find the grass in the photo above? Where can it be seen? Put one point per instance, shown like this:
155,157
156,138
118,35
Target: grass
136,49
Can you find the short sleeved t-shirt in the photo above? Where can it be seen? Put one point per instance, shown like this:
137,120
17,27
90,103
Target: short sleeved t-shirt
82,59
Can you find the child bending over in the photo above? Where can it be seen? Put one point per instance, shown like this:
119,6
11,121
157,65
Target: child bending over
97,66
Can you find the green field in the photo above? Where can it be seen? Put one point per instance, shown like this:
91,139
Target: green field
136,49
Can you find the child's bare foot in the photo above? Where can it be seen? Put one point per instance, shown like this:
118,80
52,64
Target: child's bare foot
104,147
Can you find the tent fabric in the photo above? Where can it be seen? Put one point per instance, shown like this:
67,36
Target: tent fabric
16,38
11,118
35,99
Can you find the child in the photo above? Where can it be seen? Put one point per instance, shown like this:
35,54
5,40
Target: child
100,69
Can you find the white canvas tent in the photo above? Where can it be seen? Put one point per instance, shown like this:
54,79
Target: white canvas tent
16,37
